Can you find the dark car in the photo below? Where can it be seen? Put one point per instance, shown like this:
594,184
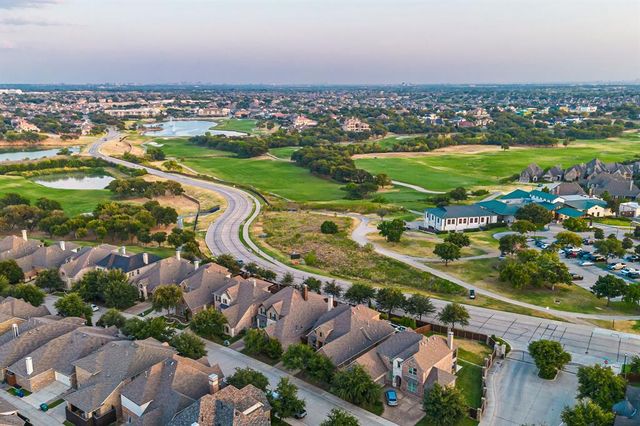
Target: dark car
633,258
576,277
586,255
633,275
587,241
472,294
598,258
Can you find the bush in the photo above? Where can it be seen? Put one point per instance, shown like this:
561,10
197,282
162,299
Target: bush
329,227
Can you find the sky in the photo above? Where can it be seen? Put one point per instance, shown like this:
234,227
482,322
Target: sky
319,41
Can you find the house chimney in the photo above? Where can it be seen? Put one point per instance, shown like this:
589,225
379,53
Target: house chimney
214,385
63,245
178,254
305,292
29,364
16,331
145,258
329,303
123,250
196,264
24,234
450,339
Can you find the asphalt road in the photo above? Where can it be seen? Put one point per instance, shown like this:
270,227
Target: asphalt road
586,343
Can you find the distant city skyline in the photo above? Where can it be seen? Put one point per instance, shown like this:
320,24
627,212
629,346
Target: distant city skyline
290,42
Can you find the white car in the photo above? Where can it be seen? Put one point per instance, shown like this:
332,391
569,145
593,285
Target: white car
628,270
587,263
94,308
616,266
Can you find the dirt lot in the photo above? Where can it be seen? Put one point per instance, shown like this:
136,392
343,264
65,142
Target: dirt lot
454,149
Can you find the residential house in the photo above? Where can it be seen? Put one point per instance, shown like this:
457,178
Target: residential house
301,122
167,388
533,173
289,314
102,375
84,261
355,125
630,209
172,270
9,414
199,287
239,300
344,333
13,247
53,360
412,362
458,218
131,264
46,257
231,406
563,189
16,311
593,207
614,185
554,174
22,344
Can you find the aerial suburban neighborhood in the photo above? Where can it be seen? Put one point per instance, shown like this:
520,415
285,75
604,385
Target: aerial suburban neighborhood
319,213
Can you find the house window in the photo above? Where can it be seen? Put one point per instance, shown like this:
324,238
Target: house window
413,371
412,386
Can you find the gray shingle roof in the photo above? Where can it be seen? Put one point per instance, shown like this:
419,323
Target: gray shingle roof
456,211
126,263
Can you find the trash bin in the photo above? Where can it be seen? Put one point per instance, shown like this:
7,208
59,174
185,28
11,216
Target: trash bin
44,406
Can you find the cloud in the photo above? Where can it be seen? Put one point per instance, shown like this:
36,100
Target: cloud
6,45
21,22
24,4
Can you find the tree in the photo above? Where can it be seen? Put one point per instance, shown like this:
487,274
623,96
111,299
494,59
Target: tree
248,376
360,293
94,284
458,194
382,213
444,406
390,298
511,243
338,417
287,279
298,356
356,386
391,229
159,237
189,345
166,297
382,180
587,413
523,226
208,323
332,288
459,239
329,227
549,357
419,305
157,327
72,305
453,314
598,234
601,385
112,317
576,224
632,294
568,238
447,252
120,294
627,243
313,284
284,401
609,247
10,269
228,262
609,286
49,279
29,293
535,214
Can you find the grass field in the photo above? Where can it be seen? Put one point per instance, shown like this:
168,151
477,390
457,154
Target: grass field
445,171
236,125
284,152
571,298
73,201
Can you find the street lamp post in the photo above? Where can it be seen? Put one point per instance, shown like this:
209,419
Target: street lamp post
624,366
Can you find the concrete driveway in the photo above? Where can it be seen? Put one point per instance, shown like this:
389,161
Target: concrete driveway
407,412
518,396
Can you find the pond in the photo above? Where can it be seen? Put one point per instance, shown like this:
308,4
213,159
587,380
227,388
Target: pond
188,128
33,153
77,180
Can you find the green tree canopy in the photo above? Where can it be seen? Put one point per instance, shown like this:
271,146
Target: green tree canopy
601,385
72,305
609,286
535,214
10,269
112,317
511,243
460,239
390,298
568,238
287,403
189,345
356,386
29,293
549,357
444,406
359,293
419,305
49,279
587,413
392,230
245,376
453,314
208,323
523,226
447,252
338,417
166,297
329,227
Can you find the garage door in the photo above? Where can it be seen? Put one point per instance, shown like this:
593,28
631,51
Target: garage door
65,380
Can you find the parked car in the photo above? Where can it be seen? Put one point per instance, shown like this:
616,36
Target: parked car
633,275
598,258
300,414
585,255
633,258
616,266
392,398
571,254
94,308
576,277
472,294
587,241
586,263
628,270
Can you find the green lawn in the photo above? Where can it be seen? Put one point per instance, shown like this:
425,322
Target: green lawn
236,125
449,170
469,382
284,152
73,201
